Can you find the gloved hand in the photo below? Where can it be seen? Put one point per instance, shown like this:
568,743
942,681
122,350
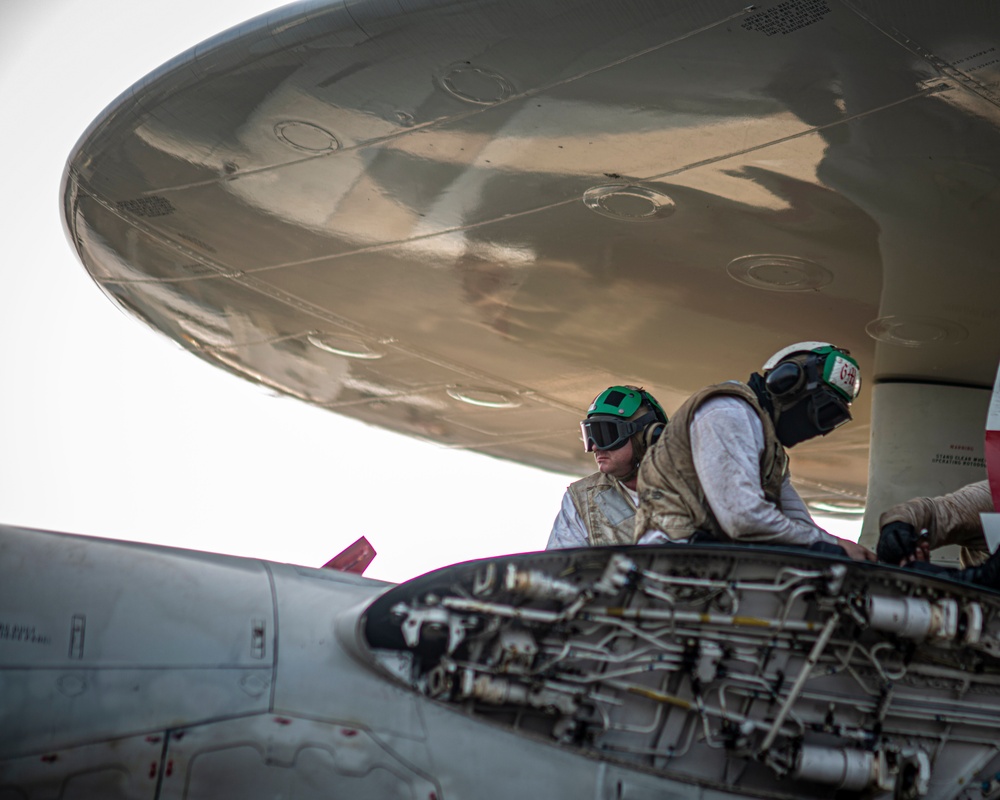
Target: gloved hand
897,541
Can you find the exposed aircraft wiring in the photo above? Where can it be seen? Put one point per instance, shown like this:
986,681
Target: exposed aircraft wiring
831,674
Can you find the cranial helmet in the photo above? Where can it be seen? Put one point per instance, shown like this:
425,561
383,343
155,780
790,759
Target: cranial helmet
812,386
617,414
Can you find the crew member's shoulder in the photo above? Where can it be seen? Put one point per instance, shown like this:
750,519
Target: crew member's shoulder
595,479
729,395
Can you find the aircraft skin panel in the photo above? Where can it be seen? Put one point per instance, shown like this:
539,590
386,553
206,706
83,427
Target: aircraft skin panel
288,756
385,210
158,623
317,616
116,718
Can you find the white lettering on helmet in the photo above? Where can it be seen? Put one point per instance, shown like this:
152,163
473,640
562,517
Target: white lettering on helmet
844,376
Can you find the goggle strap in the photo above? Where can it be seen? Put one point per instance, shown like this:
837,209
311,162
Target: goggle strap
625,429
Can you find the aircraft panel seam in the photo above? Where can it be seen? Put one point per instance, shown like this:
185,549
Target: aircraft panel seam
436,123
274,634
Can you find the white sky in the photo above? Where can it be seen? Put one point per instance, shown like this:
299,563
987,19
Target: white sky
109,429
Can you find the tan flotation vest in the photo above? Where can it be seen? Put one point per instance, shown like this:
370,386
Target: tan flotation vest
671,498
605,508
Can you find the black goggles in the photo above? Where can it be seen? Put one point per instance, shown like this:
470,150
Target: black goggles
610,433
828,411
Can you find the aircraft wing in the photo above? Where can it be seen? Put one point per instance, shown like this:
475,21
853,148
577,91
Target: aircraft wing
460,221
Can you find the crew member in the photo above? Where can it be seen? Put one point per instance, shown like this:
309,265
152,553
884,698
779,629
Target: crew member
909,531
600,509
720,471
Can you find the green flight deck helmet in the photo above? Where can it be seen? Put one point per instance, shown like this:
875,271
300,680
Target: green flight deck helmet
616,415
812,385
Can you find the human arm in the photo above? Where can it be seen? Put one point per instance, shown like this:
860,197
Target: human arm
899,543
727,439
793,505
949,519
568,530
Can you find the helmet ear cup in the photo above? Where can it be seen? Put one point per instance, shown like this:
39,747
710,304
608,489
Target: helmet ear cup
785,379
651,434
649,400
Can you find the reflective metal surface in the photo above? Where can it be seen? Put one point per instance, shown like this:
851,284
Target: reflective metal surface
391,209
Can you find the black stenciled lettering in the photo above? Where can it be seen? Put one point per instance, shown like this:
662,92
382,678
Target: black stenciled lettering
958,461
786,17
974,56
13,632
